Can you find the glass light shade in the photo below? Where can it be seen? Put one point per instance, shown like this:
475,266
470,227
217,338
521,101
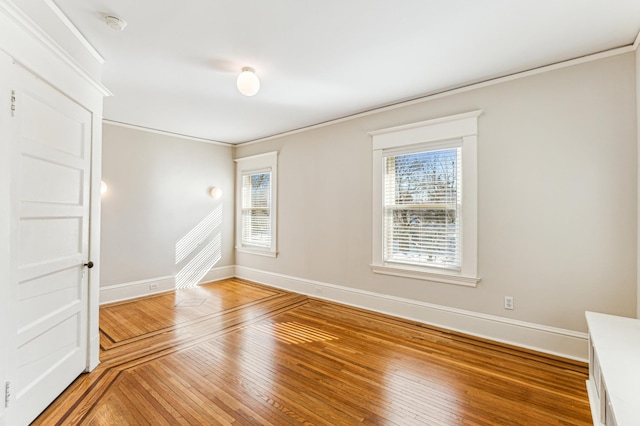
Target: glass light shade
216,193
248,82
103,187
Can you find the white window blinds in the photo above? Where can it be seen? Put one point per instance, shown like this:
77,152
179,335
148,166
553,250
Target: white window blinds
256,209
422,208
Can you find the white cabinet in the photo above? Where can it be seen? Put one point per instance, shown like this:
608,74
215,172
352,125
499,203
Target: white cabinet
614,369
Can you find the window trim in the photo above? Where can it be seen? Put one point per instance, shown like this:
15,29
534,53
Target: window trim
249,165
430,134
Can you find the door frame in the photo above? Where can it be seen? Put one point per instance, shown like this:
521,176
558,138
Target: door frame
7,70
24,42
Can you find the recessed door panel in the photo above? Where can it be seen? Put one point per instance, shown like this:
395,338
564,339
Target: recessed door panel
46,124
50,147
47,294
45,181
44,239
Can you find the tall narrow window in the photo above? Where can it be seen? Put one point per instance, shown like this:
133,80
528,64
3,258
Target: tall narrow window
256,183
425,200
256,210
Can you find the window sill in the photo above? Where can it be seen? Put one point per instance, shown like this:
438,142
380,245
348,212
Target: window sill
421,274
257,252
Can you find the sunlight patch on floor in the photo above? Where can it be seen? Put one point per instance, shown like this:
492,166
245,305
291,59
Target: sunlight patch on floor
294,332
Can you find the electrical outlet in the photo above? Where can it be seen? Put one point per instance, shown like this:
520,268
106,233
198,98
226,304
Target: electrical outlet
508,302
153,286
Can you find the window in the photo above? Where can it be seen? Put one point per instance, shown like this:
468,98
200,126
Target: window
422,208
256,209
425,200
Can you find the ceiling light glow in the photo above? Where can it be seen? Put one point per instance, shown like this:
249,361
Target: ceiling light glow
248,82
216,192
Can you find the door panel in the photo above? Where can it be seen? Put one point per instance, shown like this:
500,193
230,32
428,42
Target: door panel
57,183
45,239
62,293
50,126
51,146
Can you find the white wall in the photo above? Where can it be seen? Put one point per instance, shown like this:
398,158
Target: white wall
557,199
158,193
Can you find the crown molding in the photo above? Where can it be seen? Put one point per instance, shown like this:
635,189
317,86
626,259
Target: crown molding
457,90
27,24
164,133
74,30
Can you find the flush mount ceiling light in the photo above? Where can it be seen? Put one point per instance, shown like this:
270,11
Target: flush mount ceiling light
115,23
248,82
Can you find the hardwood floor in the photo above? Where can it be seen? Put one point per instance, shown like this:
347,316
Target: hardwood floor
235,352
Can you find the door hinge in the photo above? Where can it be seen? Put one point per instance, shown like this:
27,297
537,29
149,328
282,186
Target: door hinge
13,103
7,393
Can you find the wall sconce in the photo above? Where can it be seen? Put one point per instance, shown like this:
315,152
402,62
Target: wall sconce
103,187
248,82
215,192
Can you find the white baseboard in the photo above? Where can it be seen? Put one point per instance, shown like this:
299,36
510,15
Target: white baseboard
94,353
217,274
132,290
555,341
551,340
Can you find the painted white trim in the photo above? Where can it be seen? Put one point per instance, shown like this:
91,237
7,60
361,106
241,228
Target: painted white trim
637,70
257,252
32,49
453,91
164,133
7,78
267,156
20,18
94,353
260,163
93,324
427,135
132,290
74,30
551,340
135,289
594,401
636,43
466,124
423,274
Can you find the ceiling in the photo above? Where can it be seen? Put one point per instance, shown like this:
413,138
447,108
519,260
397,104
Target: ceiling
174,66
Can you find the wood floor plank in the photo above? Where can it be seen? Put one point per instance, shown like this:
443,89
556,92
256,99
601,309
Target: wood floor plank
254,355
138,319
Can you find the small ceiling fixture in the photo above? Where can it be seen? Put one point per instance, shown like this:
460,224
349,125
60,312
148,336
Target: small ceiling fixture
248,82
115,23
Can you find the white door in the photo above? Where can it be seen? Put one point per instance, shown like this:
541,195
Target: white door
51,152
